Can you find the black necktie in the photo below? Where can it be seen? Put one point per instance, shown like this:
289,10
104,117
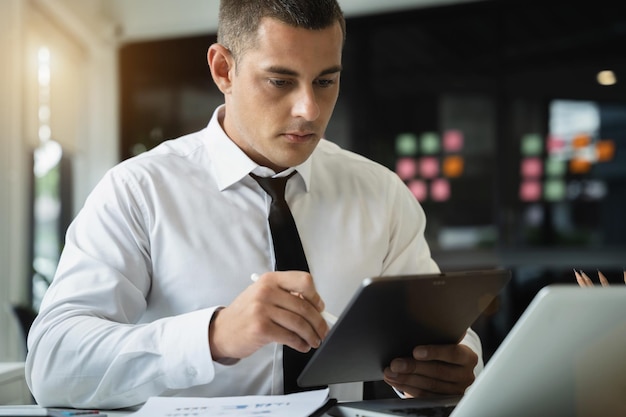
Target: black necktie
289,256
287,245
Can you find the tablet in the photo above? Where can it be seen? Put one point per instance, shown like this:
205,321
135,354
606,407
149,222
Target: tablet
388,316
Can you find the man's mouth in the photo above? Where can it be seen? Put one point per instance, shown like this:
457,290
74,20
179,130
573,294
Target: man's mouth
298,137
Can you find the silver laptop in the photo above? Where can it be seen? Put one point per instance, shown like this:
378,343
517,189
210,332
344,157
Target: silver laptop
565,356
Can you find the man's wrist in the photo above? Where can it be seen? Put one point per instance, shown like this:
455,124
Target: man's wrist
216,354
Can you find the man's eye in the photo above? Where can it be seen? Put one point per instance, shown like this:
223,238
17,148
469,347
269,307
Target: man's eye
325,83
276,82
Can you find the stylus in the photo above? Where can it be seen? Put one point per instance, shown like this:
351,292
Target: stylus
330,318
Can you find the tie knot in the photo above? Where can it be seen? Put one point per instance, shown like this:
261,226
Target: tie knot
275,187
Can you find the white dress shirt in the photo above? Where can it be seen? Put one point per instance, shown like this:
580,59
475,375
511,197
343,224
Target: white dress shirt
170,235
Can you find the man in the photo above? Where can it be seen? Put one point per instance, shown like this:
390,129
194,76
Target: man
153,294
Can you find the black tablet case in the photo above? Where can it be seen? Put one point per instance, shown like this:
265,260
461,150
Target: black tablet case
388,316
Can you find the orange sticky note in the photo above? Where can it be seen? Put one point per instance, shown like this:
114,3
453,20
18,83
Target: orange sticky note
579,166
453,166
605,149
580,141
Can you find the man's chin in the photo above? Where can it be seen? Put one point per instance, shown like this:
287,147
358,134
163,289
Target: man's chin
293,161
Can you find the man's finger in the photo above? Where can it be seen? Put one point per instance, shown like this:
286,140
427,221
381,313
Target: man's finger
301,283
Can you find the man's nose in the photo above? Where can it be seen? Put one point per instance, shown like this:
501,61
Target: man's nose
305,104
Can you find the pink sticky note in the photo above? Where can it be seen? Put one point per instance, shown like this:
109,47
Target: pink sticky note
406,168
440,189
452,140
419,190
530,190
532,168
429,167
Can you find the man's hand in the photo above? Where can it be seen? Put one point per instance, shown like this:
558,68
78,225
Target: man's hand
281,307
433,370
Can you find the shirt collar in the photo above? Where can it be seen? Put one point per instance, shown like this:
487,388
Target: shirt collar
231,164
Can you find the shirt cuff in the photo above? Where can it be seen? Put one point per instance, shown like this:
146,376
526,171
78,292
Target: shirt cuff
187,354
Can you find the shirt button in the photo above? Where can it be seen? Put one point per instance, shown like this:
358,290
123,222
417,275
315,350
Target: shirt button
192,371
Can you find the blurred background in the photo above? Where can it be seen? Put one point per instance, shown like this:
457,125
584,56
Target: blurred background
505,118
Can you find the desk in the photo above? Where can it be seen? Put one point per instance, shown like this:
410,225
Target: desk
127,413
14,391
110,413
13,388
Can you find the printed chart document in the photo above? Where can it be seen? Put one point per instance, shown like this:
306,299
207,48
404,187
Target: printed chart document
301,404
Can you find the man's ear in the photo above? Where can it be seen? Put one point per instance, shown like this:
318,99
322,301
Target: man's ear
222,65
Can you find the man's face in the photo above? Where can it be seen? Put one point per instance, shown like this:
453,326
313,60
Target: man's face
283,93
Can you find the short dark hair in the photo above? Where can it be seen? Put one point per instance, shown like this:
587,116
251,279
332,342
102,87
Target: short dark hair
239,19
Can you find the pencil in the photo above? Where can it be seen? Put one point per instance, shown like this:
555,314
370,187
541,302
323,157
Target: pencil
588,280
579,279
603,280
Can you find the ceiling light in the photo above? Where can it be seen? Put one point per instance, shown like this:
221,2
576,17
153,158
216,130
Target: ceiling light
606,77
